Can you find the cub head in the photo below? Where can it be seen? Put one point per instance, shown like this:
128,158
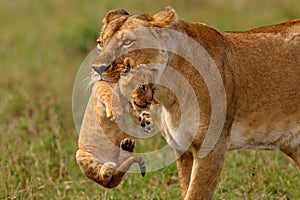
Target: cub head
138,87
142,96
130,40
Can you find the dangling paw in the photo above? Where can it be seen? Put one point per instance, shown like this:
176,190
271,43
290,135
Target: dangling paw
146,122
114,113
127,144
117,113
107,171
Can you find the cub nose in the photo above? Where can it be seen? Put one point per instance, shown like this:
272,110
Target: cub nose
100,69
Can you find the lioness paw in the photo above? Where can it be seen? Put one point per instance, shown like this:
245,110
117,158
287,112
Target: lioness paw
146,122
127,144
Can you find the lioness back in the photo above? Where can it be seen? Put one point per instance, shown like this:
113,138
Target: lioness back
266,67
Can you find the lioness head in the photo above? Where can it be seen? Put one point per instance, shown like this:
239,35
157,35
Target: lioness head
122,40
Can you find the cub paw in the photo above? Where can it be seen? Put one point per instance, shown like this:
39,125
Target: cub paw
114,114
117,113
107,170
146,122
109,113
127,144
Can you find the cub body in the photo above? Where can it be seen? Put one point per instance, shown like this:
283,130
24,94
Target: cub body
105,152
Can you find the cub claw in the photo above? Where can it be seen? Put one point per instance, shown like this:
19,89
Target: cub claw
114,114
146,122
107,170
127,144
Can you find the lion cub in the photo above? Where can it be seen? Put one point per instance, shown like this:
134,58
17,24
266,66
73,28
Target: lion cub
105,153
139,92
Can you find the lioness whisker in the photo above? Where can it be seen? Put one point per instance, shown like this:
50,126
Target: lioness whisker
90,82
87,79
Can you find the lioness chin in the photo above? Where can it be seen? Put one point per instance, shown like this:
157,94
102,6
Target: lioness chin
260,72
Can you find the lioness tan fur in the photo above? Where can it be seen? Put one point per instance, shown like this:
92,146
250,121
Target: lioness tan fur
260,70
105,153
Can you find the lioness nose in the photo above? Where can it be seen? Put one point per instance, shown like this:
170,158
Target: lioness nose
100,69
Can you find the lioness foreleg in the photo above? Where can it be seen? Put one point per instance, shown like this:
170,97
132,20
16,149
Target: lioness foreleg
206,172
184,164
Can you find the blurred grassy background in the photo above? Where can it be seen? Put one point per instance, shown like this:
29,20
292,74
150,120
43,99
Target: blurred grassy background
42,46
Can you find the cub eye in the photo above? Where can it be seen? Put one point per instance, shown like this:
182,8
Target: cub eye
142,87
127,42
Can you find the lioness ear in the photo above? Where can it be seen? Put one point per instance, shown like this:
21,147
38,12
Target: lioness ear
164,18
114,14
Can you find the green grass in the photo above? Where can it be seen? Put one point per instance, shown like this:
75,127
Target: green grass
42,46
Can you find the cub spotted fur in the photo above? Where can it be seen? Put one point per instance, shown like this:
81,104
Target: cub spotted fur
260,70
105,153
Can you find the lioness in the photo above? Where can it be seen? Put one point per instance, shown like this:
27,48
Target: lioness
260,70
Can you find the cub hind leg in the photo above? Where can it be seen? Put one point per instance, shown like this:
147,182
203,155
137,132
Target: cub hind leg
93,168
292,152
109,174
126,159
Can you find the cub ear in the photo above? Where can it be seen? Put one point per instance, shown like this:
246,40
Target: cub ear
114,14
164,18
155,72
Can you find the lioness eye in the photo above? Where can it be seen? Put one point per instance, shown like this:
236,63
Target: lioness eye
127,42
99,44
